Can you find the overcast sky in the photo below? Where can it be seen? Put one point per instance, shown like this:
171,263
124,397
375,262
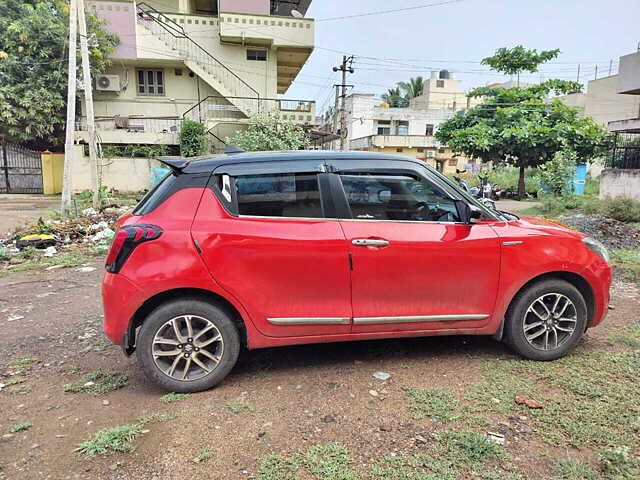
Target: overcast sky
456,36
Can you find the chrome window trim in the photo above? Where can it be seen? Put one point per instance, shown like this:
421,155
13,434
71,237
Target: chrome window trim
309,320
420,318
324,219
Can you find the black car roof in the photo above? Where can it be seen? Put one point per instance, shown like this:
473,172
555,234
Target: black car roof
206,164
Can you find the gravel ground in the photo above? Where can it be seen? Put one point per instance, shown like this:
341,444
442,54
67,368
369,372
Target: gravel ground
612,233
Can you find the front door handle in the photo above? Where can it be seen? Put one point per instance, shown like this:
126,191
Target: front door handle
369,242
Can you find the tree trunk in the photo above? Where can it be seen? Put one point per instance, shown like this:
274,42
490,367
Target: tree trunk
521,185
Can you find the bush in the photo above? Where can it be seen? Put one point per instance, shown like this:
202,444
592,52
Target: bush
557,174
623,209
507,178
193,140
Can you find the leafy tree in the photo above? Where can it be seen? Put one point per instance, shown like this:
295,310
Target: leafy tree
512,61
193,140
33,67
395,98
413,88
269,131
523,127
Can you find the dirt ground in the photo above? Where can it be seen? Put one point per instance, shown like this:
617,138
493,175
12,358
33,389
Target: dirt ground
20,209
298,396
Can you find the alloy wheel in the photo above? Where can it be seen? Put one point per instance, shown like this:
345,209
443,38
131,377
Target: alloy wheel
187,347
550,321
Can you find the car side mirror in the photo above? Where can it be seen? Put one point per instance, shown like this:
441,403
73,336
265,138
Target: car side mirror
468,213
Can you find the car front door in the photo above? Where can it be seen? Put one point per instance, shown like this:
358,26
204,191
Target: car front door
415,265
274,250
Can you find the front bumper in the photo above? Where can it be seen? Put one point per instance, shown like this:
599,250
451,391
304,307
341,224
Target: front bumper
120,301
599,276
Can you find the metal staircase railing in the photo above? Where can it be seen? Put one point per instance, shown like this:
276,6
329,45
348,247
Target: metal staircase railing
174,37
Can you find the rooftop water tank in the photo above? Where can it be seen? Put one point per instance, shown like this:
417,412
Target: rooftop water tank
444,75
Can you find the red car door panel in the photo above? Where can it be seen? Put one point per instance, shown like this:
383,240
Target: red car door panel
445,275
291,275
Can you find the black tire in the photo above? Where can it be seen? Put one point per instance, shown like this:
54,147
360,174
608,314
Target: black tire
519,318
156,322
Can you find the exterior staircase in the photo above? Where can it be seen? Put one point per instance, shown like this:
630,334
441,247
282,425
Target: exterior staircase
172,36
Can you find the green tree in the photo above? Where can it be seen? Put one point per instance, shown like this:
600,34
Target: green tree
33,65
394,98
413,88
512,61
557,174
268,132
523,127
193,139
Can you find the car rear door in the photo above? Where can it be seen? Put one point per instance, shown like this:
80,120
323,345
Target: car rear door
415,265
273,248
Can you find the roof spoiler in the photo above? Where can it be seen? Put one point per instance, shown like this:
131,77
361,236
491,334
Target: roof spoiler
232,150
176,164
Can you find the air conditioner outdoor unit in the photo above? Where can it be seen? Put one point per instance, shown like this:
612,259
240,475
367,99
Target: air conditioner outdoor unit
108,83
431,154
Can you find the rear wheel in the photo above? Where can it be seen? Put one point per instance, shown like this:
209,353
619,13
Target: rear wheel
188,345
546,320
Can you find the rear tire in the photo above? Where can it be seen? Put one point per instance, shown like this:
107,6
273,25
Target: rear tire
187,345
546,320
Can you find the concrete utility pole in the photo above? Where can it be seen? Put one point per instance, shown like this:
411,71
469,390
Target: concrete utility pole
88,105
345,67
71,110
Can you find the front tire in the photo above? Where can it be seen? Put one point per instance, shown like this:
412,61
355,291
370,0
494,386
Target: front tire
187,345
546,320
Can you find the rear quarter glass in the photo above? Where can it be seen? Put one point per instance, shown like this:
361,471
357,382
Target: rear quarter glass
170,184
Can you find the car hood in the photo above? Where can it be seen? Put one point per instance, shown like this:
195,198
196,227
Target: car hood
548,226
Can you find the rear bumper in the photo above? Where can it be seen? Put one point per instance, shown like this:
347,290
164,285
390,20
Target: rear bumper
119,300
598,274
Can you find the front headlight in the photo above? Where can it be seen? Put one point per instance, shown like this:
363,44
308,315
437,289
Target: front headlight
597,247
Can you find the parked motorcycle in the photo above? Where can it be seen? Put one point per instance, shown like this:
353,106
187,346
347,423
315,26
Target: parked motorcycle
477,192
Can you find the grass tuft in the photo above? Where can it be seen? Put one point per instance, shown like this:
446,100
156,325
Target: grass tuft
437,403
573,469
629,336
20,390
156,418
97,383
174,397
21,364
203,455
117,439
321,462
21,427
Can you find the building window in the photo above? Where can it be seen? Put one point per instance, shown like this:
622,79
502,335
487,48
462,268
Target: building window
421,150
439,83
429,130
453,162
384,127
150,82
472,161
402,127
279,195
399,150
441,150
258,55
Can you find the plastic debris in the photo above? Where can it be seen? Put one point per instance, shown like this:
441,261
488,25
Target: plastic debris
50,251
529,402
384,376
89,212
36,241
13,318
496,438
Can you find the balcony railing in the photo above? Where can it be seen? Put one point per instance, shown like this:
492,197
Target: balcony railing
267,30
408,141
222,109
133,124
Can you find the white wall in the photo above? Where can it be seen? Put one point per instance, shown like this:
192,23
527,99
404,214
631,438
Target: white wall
620,183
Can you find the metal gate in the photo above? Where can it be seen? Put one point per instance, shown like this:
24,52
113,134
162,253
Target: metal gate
626,151
20,169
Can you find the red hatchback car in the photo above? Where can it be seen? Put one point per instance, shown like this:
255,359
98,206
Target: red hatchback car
266,249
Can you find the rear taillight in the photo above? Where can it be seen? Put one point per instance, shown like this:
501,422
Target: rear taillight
125,241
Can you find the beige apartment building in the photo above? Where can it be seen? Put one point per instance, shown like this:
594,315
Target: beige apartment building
214,61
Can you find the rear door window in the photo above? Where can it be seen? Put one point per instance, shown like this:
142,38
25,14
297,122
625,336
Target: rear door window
279,195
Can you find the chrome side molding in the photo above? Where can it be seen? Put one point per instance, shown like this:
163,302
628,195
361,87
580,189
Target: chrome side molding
421,318
309,321
513,242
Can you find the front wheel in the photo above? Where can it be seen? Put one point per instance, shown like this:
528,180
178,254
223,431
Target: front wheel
546,320
188,345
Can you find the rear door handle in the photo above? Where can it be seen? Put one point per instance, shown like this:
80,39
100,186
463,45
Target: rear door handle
369,242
